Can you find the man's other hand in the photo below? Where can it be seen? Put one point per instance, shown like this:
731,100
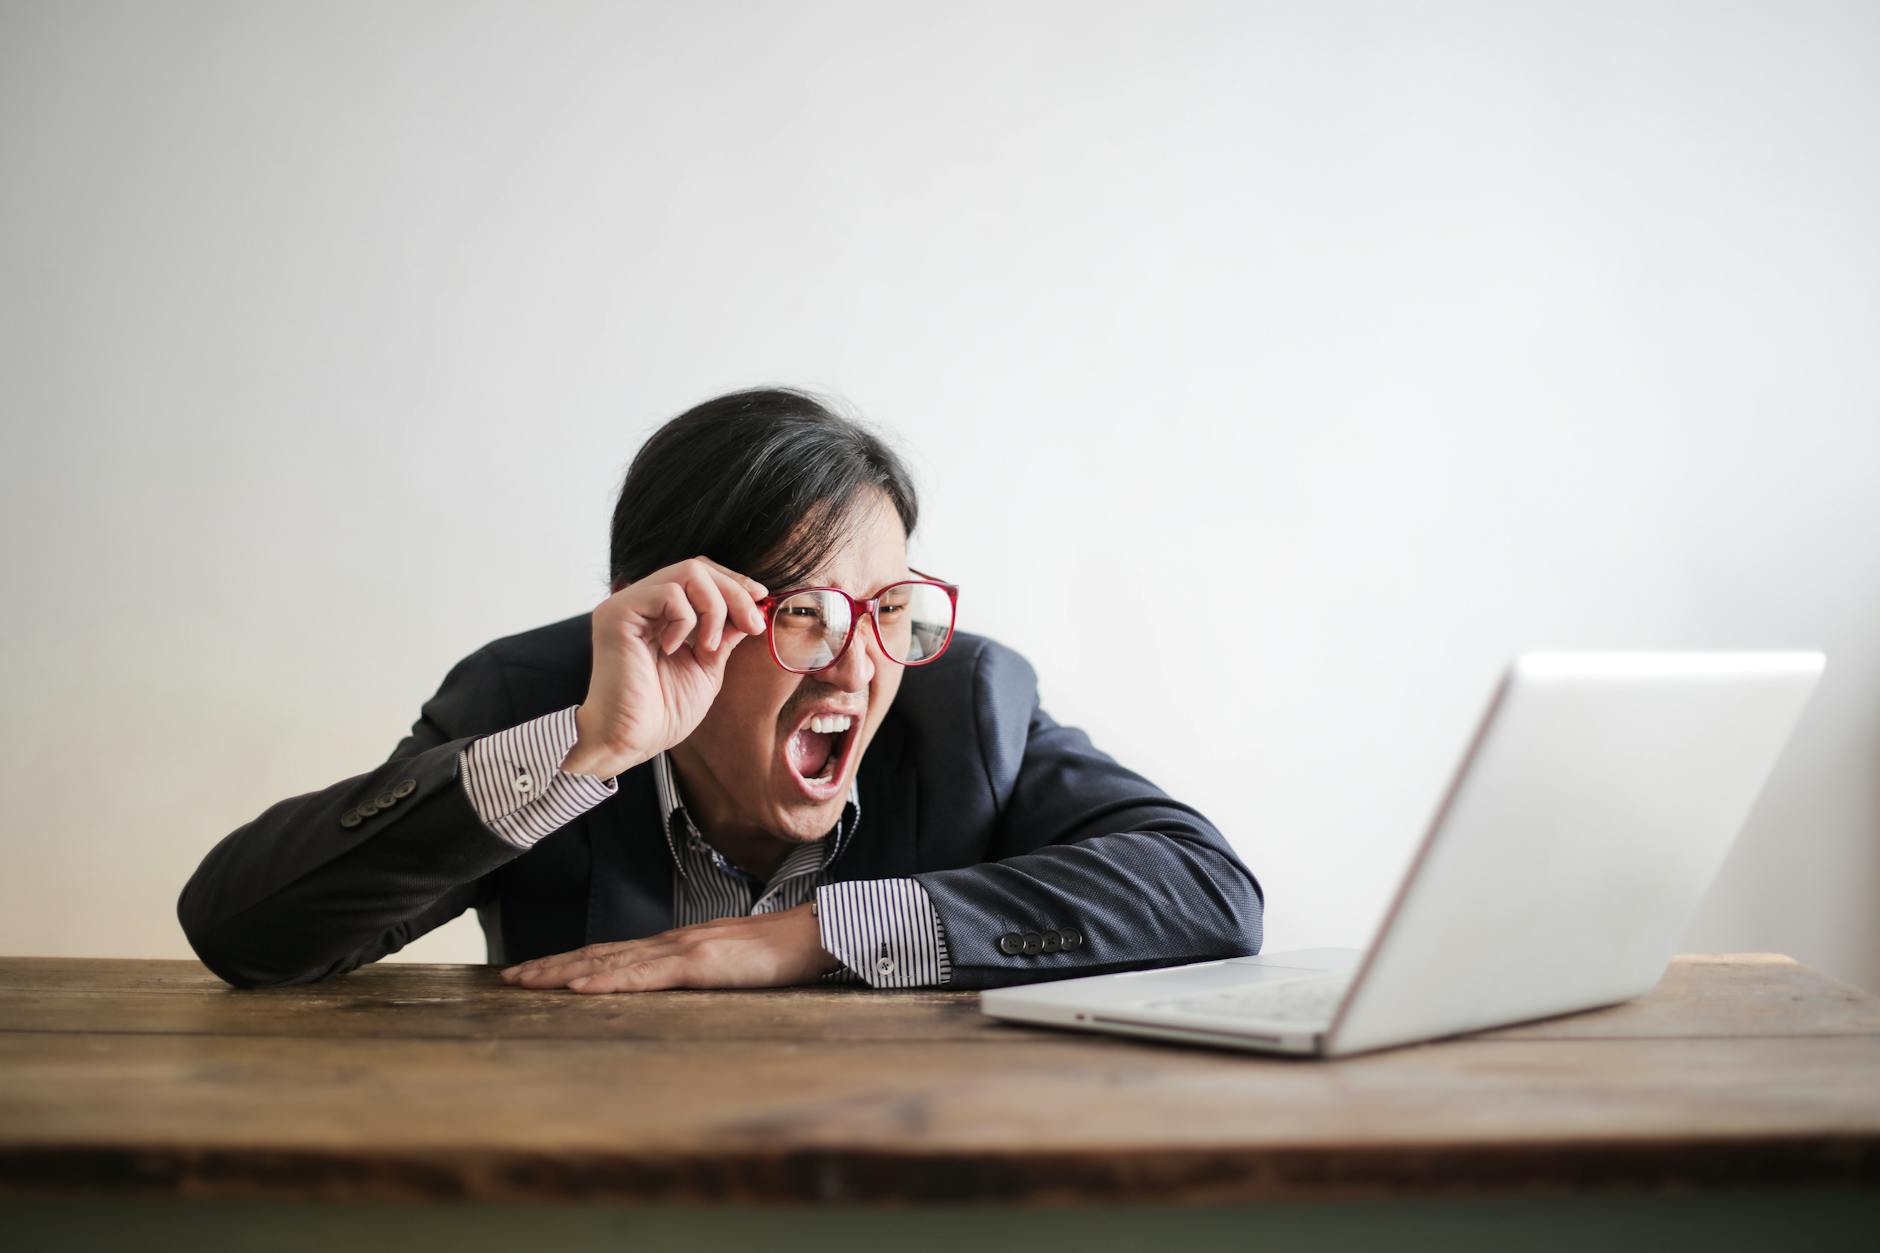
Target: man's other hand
757,951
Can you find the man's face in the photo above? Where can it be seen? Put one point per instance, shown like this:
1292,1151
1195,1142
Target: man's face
751,765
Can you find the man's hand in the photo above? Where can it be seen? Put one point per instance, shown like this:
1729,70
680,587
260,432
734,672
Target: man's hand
660,647
758,951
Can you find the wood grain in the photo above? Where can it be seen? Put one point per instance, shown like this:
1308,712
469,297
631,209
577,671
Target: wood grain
402,1082
1743,994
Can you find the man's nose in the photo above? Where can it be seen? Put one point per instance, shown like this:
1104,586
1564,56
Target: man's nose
856,670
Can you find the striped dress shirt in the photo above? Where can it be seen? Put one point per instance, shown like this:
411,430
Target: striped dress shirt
884,931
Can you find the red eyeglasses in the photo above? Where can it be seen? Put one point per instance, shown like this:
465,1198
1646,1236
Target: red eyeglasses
810,628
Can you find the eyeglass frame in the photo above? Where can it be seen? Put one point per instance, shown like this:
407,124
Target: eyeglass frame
859,608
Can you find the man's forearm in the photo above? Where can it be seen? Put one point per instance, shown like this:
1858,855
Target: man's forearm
515,780
885,930
1133,899
321,883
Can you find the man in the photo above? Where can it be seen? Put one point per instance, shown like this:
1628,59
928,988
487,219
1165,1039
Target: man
765,759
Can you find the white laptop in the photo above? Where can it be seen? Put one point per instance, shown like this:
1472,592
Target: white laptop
1580,833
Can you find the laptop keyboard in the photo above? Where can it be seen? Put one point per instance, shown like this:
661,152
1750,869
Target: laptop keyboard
1294,1000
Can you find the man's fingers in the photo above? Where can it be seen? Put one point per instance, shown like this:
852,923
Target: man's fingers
722,598
648,974
669,959
740,603
553,972
710,588
677,618
713,660
751,587
702,590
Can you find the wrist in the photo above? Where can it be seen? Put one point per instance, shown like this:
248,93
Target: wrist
585,757
828,961
584,760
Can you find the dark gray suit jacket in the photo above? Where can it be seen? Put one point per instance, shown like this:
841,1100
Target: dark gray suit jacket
1008,820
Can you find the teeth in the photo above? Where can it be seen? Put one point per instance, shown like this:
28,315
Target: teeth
829,724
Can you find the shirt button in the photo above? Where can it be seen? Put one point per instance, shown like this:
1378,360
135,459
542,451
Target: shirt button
523,782
884,965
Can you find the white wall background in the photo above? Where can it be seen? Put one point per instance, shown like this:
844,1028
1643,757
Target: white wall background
1370,342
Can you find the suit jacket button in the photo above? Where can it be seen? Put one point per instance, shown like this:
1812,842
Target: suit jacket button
1034,943
1052,941
350,818
368,808
385,800
1011,943
404,788
1072,940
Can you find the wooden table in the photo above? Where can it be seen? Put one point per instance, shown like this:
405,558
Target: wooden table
147,1083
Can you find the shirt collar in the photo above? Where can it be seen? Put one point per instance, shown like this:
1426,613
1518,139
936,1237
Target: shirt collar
671,807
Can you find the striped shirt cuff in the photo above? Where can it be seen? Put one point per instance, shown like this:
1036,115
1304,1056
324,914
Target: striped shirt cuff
516,784
885,930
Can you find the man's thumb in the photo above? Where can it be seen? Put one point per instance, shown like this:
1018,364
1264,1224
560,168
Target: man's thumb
714,659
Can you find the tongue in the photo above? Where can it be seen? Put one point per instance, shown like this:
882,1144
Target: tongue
810,752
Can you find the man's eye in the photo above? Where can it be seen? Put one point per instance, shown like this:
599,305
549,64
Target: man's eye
890,611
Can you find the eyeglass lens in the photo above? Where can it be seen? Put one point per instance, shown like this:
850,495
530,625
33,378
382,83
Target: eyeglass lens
809,627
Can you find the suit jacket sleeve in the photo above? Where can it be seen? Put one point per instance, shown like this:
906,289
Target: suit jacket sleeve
1082,844
305,891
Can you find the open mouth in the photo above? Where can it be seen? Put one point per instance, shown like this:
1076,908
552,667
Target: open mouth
818,752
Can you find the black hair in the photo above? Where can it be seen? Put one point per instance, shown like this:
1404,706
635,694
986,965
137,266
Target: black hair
764,481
